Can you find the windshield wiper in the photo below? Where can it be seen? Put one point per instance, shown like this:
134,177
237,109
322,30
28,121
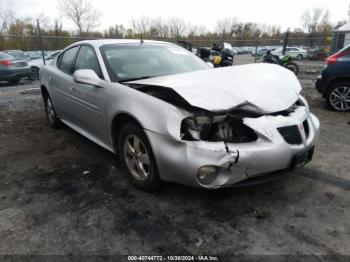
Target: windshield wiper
135,78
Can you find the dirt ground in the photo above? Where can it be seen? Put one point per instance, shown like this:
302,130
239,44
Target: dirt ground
50,205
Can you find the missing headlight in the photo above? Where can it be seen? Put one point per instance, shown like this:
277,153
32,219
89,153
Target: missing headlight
217,128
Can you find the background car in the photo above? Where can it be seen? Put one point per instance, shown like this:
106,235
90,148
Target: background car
36,64
12,70
296,52
334,81
19,55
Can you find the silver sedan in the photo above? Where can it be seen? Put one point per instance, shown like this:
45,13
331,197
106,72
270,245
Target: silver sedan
172,117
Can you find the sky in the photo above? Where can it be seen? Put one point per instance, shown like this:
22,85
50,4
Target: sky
206,13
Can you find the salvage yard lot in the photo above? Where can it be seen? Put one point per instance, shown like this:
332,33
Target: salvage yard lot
62,194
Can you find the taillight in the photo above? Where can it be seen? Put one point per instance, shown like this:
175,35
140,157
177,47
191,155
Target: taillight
333,58
6,63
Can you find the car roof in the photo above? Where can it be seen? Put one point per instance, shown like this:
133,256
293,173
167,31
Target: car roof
101,42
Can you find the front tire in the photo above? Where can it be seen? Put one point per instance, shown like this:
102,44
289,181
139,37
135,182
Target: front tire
293,67
137,158
50,112
338,97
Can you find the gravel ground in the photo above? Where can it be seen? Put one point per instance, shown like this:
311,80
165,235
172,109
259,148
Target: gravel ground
61,194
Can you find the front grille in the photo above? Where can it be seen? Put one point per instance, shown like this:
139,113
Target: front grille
290,134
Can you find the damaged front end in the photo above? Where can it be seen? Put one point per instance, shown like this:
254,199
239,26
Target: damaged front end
225,149
220,135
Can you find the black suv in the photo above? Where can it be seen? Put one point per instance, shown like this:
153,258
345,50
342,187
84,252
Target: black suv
334,81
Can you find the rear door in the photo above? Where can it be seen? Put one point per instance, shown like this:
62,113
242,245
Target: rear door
89,101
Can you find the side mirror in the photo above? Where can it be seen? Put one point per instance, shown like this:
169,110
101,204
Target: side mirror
87,77
210,64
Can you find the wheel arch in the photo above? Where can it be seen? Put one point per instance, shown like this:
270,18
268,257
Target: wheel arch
335,80
44,91
119,120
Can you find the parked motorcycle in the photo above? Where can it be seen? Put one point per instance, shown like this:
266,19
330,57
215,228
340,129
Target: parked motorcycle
285,61
221,57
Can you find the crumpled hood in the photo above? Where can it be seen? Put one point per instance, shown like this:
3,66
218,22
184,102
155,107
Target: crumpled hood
259,88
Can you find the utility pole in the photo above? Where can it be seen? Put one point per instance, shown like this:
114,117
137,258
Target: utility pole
256,46
285,42
40,41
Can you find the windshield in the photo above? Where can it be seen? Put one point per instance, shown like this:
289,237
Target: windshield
4,56
129,62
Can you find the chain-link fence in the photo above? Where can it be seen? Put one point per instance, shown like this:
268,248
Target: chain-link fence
304,49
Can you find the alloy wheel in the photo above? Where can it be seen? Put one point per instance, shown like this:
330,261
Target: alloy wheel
136,157
50,110
340,98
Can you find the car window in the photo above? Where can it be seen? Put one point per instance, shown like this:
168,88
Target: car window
5,56
130,61
345,48
66,60
87,59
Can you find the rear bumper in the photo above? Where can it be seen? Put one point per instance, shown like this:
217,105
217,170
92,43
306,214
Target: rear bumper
15,74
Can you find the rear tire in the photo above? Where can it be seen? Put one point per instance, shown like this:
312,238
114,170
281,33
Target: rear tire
300,57
137,158
35,71
338,97
50,112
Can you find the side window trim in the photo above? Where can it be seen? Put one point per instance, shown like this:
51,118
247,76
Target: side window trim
59,59
98,62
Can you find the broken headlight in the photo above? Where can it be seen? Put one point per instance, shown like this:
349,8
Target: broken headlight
216,128
192,127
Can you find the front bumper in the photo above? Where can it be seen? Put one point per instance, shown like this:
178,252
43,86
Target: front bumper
320,84
179,161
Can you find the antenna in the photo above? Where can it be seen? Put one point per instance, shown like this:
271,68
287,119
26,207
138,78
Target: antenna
141,40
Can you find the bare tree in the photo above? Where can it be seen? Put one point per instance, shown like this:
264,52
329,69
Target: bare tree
225,27
311,20
81,13
161,27
7,15
177,27
57,26
195,30
44,21
141,25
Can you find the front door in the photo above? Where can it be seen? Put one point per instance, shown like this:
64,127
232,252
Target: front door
89,108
